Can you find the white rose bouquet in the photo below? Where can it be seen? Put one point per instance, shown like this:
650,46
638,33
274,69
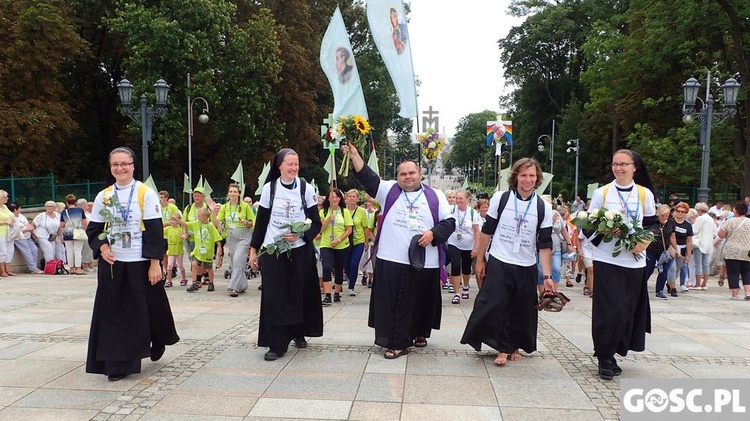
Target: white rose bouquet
280,244
613,226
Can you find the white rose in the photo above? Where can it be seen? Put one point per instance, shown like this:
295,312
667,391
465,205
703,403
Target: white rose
594,212
431,145
611,214
582,215
308,221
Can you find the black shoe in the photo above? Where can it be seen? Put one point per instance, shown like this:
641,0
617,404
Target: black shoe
300,342
260,287
157,352
578,278
605,370
616,370
116,377
271,356
673,293
174,272
336,297
326,301
369,284
211,287
194,287
364,280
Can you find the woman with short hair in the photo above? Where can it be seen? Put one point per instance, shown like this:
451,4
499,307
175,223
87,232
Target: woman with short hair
46,226
72,218
736,231
6,221
26,246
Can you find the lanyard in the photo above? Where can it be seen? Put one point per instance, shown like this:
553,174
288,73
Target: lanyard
410,204
461,219
521,220
164,213
333,221
232,214
200,233
125,213
632,215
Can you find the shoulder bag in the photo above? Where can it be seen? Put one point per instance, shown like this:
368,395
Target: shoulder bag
79,234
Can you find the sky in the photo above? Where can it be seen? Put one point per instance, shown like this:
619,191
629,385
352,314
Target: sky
456,56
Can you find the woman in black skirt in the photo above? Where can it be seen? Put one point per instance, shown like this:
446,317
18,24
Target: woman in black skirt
621,314
132,319
290,306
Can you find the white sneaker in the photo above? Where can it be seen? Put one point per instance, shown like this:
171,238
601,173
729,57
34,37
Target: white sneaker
351,293
683,288
704,288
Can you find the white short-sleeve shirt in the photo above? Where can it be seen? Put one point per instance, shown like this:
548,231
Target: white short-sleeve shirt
465,228
517,229
623,202
410,215
129,248
287,208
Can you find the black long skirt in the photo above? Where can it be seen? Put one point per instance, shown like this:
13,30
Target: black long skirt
621,313
290,299
130,315
504,316
405,303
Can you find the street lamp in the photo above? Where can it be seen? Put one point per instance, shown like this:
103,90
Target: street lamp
203,118
706,117
540,147
145,115
573,146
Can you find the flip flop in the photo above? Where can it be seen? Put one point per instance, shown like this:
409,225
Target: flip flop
395,354
420,342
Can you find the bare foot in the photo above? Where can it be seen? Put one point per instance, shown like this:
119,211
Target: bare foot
516,356
501,358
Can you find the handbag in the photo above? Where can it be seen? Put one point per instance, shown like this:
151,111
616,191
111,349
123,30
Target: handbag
80,234
15,234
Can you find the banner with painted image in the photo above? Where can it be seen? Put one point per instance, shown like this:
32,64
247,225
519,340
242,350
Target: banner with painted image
337,61
389,31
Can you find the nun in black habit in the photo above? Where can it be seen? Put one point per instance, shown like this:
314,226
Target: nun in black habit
131,317
290,306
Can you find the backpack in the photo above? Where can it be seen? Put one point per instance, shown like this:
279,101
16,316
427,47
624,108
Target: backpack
641,195
539,210
142,189
472,212
55,267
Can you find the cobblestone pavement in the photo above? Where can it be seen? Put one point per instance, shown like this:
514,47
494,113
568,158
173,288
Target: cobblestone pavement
216,371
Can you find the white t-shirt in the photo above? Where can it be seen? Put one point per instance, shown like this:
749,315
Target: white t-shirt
401,224
515,243
129,247
45,225
465,227
287,208
20,224
715,211
629,204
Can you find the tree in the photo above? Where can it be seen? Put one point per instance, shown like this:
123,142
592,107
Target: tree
35,45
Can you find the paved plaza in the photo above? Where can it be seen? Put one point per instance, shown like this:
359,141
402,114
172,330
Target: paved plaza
216,372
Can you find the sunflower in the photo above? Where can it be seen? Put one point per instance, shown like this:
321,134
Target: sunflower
362,125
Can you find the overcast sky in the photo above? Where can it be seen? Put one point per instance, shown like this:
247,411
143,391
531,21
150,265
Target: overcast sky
456,56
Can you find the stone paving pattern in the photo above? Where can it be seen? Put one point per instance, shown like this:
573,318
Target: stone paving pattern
216,372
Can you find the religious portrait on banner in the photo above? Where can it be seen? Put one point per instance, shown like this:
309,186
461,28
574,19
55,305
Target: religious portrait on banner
399,32
344,64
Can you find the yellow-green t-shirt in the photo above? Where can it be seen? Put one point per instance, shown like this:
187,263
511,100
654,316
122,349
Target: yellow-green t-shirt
231,215
174,240
6,216
191,215
205,237
371,219
166,213
342,218
359,220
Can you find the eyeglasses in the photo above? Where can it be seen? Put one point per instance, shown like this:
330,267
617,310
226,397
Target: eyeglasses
120,164
680,211
621,164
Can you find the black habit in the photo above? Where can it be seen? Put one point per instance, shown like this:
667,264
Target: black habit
290,299
130,315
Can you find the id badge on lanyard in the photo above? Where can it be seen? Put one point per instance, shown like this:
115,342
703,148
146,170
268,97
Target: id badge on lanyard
203,249
413,220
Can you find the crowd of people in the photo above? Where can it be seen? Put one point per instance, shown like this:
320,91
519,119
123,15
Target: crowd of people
408,242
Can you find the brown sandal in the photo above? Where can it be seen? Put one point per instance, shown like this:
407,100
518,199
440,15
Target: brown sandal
721,281
420,342
552,301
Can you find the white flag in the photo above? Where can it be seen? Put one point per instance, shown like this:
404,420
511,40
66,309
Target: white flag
239,177
388,27
337,61
262,177
373,162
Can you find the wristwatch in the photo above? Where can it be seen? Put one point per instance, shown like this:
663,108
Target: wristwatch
547,277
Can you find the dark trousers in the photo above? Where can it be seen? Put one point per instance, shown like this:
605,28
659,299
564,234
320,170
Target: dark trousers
333,261
352,263
735,269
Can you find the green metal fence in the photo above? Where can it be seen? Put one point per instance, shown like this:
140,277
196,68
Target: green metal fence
728,193
34,191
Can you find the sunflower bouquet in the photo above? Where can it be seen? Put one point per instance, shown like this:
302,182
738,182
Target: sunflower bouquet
353,128
432,144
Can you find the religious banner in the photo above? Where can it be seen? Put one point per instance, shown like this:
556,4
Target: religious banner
337,61
388,27
499,133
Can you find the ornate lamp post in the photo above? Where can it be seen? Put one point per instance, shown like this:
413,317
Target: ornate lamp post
707,116
573,146
145,114
203,118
